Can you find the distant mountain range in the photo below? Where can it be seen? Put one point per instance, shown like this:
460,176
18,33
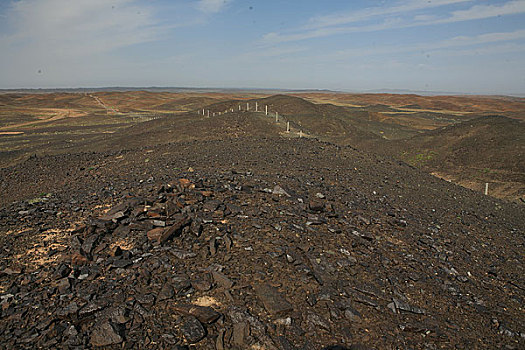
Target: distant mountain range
164,89
246,90
436,93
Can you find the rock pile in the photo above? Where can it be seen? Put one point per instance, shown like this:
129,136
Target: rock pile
238,261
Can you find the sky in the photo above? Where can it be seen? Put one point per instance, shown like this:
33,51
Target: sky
466,46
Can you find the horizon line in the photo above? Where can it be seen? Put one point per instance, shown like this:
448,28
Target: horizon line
251,89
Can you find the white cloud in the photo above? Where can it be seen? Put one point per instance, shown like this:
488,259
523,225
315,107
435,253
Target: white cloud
371,12
421,18
484,44
212,6
71,42
476,44
68,28
484,38
496,49
275,38
334,24
487,11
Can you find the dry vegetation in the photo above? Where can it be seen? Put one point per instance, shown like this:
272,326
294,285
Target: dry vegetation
410,127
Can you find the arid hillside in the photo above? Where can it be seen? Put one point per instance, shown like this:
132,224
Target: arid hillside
253,242
245,221
431,133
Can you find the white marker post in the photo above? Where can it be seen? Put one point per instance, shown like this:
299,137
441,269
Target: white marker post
287,126
247,106
276,117
208,113
486,188
256,106
239,107
203,111
266,110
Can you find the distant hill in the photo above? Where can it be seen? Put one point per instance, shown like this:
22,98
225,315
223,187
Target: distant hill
488,149
162,89
485,142
458,138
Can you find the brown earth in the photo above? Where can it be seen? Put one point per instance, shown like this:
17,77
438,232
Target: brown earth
383,256
483,150
44,124
454,104
134,228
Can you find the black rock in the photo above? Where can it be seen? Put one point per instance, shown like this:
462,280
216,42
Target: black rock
273,301
240,333
68,311
211,205
89,244
122,263
166,293
146,299
401,305
316,205
314,322
119,315
62,271
104,334
222,280
204,314
192,329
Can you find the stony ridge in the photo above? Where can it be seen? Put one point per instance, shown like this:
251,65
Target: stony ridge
306,247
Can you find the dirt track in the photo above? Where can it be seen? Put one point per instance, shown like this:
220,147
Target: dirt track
56,114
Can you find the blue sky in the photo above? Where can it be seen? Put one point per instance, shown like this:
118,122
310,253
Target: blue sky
435,45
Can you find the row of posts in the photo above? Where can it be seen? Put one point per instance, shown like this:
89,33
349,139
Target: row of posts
207,113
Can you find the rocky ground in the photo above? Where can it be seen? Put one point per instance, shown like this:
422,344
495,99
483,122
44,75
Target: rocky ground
254,243
470,141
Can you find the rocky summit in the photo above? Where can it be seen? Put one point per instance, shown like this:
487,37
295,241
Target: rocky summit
254,243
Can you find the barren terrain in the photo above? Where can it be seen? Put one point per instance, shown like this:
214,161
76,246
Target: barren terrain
135,220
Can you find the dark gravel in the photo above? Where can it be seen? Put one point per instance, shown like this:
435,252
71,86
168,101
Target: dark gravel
254,243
